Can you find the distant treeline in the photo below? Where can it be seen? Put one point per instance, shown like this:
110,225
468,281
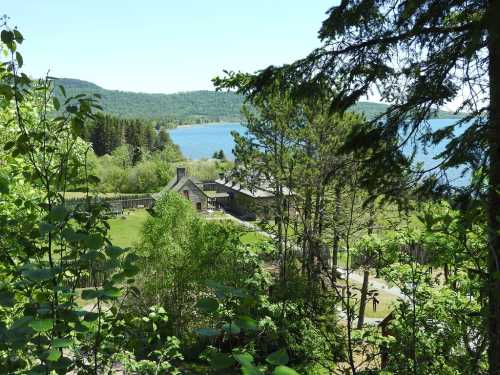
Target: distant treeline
173,109
193,107
108,132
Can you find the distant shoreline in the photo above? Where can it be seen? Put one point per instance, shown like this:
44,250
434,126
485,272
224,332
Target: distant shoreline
187,126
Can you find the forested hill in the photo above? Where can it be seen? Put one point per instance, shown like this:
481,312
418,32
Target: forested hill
184,107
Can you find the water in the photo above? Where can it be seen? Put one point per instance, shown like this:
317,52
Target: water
201,141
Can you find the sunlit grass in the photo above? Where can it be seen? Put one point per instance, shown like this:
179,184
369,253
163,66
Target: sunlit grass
125,230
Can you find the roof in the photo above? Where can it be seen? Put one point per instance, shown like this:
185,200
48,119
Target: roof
177,185
260,192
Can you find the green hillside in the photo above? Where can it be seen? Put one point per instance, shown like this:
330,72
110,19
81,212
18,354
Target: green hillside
184,107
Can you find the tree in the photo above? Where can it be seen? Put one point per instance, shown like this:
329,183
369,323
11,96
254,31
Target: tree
48,248
418,56
219,155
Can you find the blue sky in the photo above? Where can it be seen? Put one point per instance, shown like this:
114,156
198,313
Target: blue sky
162,46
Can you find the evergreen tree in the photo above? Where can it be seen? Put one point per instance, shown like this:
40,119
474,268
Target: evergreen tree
418,55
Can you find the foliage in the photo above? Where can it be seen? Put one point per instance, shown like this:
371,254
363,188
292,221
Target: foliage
418,56
171,110
48,248
107,133
118,173
181,252
168,110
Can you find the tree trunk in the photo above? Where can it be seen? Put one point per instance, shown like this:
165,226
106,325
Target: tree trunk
493,286
366,274
362,302
306,270
336,234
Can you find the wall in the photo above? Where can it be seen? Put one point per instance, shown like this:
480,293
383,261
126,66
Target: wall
195,195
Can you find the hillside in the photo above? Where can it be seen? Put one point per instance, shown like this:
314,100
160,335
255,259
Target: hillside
184,107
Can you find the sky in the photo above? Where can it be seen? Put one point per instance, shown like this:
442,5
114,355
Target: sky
162,46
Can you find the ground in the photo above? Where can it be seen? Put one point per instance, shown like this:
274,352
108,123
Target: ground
125,230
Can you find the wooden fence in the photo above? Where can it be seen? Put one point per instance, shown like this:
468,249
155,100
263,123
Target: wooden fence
118,203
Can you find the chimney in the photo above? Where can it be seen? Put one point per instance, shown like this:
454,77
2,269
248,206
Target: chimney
181,172
221,176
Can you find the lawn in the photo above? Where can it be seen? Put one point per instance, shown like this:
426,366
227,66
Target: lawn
385,306
254,238
126,229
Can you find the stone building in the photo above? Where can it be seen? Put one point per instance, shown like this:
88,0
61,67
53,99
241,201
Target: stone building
239,200
190,188
248,203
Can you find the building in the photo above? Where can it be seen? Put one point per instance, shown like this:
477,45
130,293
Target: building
191,189
224,193
248,203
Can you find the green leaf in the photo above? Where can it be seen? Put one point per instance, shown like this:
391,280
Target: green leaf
9,145
114,251
221,360
59,213
46,228
72,236
42,325
38,274
4,184
111,292
19,59
88,294
7,298
93,179
284,370
56,103
18,36
54,355
131,258
250,370
61,343
231,328
130,270
277,358
90,316
7,37
208,305
209,332
244,359
94,241
63,90
22,322
246,323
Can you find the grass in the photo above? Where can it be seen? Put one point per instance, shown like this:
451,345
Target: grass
384,307
125,230
253,238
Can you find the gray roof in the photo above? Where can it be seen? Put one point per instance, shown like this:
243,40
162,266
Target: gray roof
176,185
260,192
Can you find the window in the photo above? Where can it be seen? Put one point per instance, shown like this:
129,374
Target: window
186,194
198,206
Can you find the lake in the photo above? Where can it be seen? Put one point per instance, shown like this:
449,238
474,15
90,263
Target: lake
201,141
